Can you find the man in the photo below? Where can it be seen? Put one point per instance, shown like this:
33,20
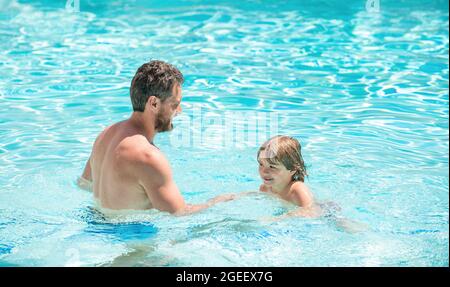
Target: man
125,169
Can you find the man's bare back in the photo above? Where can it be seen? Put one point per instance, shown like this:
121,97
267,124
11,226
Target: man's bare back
114,160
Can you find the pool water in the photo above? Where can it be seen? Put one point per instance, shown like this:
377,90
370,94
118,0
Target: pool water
365,92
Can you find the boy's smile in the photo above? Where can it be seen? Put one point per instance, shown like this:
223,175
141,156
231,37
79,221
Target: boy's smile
274,174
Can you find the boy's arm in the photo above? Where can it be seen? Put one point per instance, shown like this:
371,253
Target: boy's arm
302,197
299,212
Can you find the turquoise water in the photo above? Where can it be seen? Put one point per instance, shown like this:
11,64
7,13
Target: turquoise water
365,92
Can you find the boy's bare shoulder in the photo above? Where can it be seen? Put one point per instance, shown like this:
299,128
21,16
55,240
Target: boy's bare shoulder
300,194
299,186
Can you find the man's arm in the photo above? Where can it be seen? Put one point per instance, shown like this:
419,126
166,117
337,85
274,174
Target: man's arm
156,177
85,180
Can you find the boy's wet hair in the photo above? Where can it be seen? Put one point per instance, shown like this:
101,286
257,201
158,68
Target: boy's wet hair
287,151
155,78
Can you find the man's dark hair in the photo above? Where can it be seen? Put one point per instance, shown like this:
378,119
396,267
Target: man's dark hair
155,78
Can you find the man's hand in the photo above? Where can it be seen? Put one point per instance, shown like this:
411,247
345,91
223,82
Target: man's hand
231,196
194,208
222,198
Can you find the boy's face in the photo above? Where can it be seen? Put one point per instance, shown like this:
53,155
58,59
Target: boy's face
274,174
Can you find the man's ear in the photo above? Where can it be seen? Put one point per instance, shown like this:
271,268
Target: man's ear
153,102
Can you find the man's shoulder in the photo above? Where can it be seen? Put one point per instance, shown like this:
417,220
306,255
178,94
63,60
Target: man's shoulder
144,160
137,148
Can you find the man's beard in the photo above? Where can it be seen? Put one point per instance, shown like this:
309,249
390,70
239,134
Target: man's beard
162,124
